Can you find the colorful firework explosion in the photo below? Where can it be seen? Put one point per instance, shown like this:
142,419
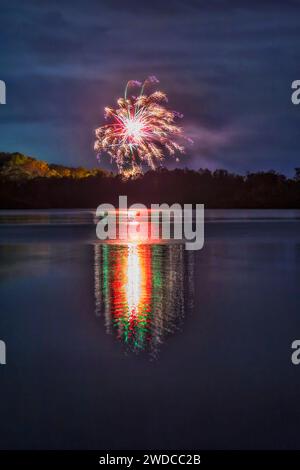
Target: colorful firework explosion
141,130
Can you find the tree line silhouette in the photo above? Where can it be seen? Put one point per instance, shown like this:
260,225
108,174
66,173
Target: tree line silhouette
55,186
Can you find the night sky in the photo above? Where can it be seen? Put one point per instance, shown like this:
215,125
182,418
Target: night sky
227,65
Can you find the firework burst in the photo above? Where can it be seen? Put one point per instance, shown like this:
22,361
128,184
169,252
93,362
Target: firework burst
141,131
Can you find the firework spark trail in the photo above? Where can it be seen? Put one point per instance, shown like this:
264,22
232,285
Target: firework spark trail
141,130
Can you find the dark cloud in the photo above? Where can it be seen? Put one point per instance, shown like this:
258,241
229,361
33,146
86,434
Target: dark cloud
227,65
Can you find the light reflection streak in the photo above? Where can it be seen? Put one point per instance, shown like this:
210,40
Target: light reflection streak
143,291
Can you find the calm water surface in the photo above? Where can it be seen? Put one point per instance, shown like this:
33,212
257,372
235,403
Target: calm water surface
143,346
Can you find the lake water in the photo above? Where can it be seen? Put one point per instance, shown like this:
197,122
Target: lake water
149,346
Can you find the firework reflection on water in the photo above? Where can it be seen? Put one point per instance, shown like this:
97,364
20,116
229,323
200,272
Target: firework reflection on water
143,291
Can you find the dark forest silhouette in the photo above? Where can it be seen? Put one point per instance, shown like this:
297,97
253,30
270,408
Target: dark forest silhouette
27,183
